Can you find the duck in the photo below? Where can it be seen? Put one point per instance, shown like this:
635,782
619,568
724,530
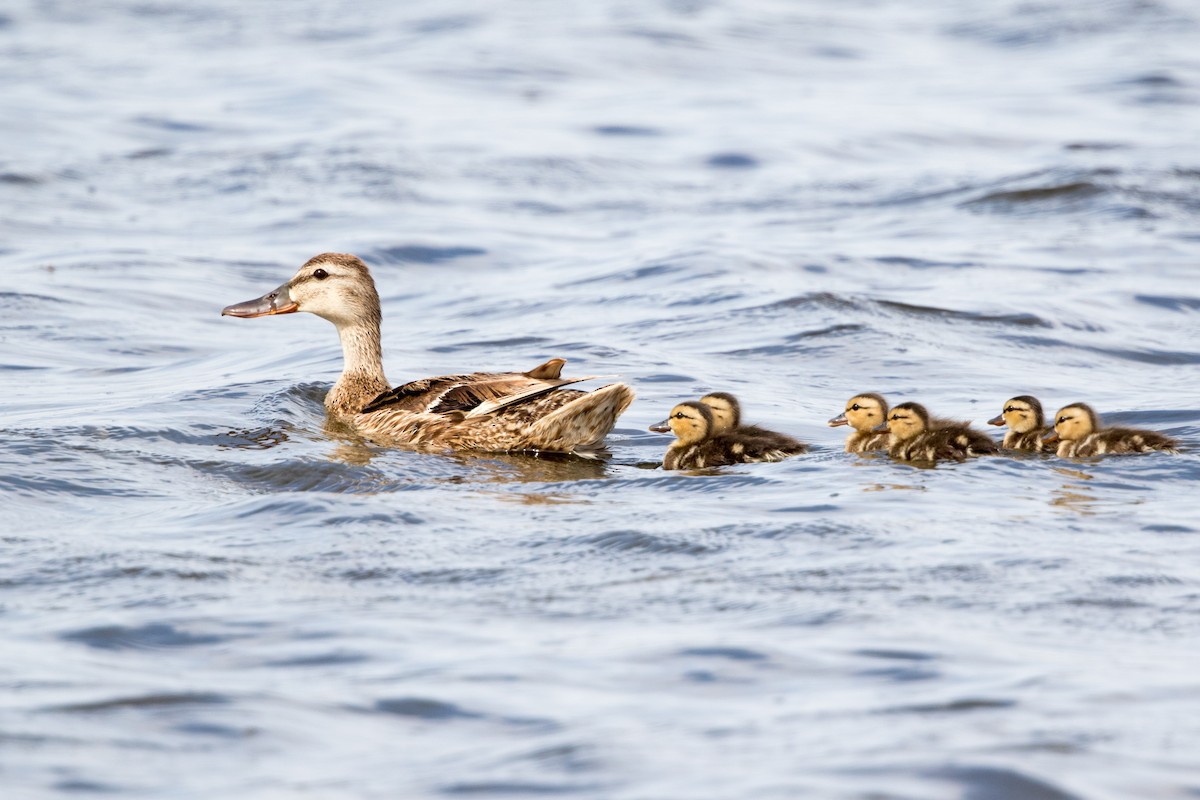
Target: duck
864,413
481,411
698,446
1026,425
1079,434
915,436
727,418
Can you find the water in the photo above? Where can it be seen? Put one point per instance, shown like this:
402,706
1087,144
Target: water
206,593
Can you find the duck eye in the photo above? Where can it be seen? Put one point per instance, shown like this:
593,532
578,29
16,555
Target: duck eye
855,407
320,274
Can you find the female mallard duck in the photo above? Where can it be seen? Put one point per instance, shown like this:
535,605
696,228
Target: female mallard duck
912,436
727,418
510,411
864,413
1079,434
697,445
1026,425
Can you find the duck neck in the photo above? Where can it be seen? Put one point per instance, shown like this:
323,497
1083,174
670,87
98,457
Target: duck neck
362,377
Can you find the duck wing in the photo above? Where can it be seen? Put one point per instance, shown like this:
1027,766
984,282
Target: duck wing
473,394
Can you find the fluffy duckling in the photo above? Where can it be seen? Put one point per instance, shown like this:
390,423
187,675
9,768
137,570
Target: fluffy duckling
1026,425
864,413
1079,434
727,418
912,436
698,446
484,411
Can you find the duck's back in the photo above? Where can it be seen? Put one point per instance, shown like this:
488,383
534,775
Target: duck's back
1119,441
952,442
759,437
731,448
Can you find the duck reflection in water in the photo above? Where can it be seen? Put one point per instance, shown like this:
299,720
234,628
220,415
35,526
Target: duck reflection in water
1074,496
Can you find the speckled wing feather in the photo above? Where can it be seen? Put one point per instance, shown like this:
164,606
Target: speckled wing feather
466,393
524,396
418,396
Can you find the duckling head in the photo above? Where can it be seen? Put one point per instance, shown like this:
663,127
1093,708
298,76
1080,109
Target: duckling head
1021,414
335,286
905,421
864,412
691,422
1074,422
726,411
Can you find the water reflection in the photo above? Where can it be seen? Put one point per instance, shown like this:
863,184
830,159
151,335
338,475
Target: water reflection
530,467
252,439
1075,496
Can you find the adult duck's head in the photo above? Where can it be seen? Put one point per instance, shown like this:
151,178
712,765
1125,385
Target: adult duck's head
336,286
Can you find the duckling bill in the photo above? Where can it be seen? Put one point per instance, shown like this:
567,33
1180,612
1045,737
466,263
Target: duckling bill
1079,434
698,446
913,437
1026,425
484,411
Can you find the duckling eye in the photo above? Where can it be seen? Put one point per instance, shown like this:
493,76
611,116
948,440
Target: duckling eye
680,415
855,407
1008,409
320,274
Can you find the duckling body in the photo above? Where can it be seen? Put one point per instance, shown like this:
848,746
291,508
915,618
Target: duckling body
488,411
1026,423
1079,434
864,413
698,447
914,437
727,420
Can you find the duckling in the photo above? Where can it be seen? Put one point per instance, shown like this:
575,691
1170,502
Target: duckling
1026,425
697,445
727,418
483,411
1079,434
864,413
914,437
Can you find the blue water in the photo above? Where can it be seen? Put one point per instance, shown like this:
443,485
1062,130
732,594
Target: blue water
205,592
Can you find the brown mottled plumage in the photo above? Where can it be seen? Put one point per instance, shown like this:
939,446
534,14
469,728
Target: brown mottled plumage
697,446
727,418
864,413
1079,434
914,436
1026,423
489,411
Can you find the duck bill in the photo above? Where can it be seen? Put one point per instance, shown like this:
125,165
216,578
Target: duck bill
882,428
996,420
276,302
1051,438
840,419
661,427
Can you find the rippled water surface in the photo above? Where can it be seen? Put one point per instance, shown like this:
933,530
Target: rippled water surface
206,592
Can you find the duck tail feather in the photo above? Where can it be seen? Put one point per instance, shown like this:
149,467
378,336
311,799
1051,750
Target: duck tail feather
581,425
